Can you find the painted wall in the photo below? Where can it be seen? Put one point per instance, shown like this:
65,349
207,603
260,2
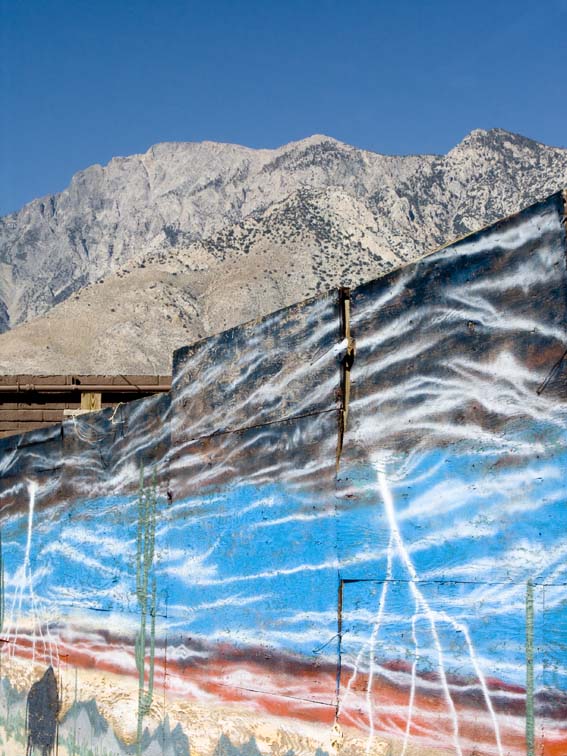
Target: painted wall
198,573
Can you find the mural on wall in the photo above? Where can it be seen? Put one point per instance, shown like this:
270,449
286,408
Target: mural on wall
456,458
216,572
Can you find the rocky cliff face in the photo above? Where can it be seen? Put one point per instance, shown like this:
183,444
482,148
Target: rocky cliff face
156,250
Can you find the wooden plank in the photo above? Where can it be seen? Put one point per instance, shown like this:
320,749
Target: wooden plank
91,401
20,415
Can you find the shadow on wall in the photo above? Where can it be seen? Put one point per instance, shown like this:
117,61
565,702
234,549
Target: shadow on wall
41,715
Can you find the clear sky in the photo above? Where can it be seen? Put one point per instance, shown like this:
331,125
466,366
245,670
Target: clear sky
85,80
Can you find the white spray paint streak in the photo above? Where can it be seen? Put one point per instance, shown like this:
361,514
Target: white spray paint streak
397,545
413,682
380,613
419,599
479,673
25,581
373,640
22,573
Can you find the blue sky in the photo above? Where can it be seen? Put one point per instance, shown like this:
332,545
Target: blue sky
84,81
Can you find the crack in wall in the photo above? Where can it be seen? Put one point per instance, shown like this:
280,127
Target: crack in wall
346,366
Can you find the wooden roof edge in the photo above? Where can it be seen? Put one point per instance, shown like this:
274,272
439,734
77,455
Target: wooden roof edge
80,382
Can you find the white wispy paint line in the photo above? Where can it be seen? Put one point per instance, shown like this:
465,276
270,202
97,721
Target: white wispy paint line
192,463
545,222
267,574
367,308
477,528
7,461
514,387
407,478
532,561
524,277
275,637
265,393
8,493
237,599
454,494
183,653
478,671
555,576
74,555
506,368
508,237
184,688
193,570
123,593
98,537
192,505
372,645
368,647
25,567
14,580
329,617
24,578
486,443
403,352
323,514
440,395
14,545
417,594
322,320
138,442
332,564
220,512
411,702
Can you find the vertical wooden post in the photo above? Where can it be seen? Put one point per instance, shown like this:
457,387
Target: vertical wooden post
91,401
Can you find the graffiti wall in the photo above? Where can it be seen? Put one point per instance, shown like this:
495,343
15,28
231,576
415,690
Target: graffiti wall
342,532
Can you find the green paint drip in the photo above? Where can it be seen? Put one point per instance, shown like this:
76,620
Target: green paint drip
146,596
530,721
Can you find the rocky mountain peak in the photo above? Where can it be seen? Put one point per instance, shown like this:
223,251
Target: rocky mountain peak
194,237
496,140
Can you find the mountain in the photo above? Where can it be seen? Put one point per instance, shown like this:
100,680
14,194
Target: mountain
157,250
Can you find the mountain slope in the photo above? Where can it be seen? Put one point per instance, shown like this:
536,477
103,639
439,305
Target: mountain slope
194,238
141,313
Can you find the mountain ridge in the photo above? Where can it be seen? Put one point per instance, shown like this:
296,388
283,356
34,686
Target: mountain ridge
158,249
